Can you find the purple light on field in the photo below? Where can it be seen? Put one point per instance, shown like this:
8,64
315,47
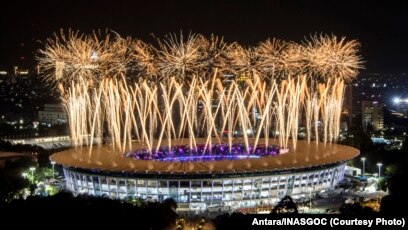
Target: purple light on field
205,153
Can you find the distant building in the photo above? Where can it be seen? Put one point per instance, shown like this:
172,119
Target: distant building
372,115
348,111
352,171
52,114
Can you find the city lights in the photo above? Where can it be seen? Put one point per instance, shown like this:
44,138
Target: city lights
398,100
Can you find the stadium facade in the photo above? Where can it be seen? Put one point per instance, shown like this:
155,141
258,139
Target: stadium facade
200,186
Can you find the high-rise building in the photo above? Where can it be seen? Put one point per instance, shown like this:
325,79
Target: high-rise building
52,114
347,109
372,115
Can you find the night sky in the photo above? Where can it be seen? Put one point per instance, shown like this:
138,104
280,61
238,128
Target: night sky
380,27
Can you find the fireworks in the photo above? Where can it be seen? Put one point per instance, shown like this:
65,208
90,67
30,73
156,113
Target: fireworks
272,59
213,53
179,56
144,57
329,56
73,57
285,85
76,57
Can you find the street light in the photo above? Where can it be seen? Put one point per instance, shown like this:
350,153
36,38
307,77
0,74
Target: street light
53,172
32,169
24,175
379,169
363,159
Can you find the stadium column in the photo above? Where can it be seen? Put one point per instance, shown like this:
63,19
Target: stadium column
146,191
222,192
308,181
233,190
108,184
189,196
82,177
269,190
117,188
201,191
93,185
242,191
212,192
126,188
136,193
100,185
252,189
157,189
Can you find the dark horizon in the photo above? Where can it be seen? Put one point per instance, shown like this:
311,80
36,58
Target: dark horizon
380,27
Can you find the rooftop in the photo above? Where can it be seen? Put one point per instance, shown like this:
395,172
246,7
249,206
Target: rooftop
106,158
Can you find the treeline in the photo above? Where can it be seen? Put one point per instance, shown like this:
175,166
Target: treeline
82,210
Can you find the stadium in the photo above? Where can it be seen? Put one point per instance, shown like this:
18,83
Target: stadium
199,186
205,122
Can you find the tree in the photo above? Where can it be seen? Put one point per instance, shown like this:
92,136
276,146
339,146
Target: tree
285,206
356,210
394,202
390,169
382,184
92,211
170,203
11,179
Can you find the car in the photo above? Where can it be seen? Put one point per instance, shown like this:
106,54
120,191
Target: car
361,178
